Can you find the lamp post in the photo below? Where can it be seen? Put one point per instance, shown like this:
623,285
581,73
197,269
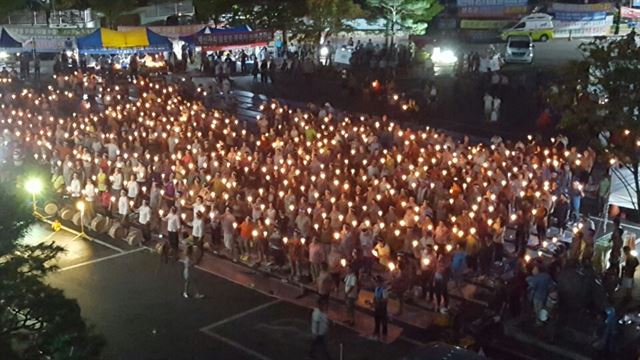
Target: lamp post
80,206
34,186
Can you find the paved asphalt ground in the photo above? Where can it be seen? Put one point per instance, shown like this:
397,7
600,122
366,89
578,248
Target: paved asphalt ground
136,303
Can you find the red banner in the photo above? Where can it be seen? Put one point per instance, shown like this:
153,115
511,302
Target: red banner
236,39
629,13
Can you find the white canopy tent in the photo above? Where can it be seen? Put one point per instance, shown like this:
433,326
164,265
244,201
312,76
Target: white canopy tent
623,189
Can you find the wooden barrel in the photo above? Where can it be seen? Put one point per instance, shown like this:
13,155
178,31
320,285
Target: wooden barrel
50,209
67,213
117,231
100,224
75,219
134,237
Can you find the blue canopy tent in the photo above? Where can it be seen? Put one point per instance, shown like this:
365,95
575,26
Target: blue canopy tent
105,41
8,43
191,40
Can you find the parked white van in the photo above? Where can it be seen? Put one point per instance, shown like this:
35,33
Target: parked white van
519,49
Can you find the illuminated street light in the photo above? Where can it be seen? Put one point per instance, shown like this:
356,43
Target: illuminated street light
80,205
34,187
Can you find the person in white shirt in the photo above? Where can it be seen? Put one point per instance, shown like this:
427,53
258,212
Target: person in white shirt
319,330
351,294
496,105
90,193
116,181
488,106
140,172
75,188
123,206
144,218
198,206
132,188
173,227
197,232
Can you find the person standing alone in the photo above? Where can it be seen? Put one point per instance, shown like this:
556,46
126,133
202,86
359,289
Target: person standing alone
380,299
319,330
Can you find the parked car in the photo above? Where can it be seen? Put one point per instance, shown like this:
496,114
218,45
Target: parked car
519,49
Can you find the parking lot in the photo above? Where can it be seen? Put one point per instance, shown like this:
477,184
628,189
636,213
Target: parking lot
135,301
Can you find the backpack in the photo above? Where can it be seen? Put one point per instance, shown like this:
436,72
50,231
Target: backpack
378,294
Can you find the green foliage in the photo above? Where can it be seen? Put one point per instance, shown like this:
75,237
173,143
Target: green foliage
213,9
36,320
600,95
259,14
327,17
112,9
412,16
7,6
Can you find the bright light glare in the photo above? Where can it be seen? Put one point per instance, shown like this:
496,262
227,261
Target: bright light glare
324,51
80,205
443,57
634,253
4,54
33,186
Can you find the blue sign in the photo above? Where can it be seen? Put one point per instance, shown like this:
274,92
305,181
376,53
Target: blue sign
580,16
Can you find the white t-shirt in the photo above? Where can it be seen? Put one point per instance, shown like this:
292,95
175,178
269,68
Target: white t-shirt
123,205
198,227
173,223
132,189
488,102
319,323
351,281
198,208
75,188
117,181
144,215
496,103
89,192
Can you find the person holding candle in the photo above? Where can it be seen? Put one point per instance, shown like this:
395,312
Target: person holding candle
144,219
173,228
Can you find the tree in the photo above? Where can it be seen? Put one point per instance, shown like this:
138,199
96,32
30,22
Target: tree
259,14
36,320
275,15
327,17
112,9
599,102
412,16
9,6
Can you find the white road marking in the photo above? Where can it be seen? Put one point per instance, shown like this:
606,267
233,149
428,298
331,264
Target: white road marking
102,259
87,237
239,315
238,346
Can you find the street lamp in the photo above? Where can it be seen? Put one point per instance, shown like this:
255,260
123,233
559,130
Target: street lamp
81,206
34,186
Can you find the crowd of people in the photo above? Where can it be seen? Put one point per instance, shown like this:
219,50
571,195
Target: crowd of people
340,200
